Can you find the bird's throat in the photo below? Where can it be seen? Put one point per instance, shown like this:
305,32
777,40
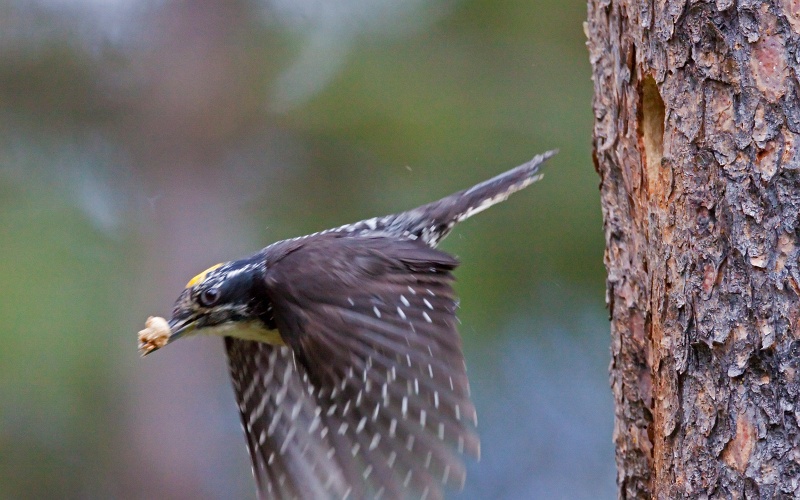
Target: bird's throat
245,330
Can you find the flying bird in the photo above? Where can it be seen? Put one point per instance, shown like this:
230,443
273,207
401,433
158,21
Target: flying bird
344,353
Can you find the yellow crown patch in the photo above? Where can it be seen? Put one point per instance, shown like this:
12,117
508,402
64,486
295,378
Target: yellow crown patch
200,277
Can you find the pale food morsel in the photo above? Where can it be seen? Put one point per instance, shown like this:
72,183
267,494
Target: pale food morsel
154,336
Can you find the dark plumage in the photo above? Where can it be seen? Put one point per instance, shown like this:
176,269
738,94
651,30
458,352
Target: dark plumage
362,391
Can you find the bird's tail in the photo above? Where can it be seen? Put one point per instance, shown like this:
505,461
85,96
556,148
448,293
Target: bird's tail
432,222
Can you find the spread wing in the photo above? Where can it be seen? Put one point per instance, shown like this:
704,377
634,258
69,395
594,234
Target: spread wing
371,324
282,423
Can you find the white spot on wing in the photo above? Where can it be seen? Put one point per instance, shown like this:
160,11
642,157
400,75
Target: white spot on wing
375,412
289,437
374,443
296,409
361,424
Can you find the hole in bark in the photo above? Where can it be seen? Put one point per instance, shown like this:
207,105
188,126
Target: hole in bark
652,131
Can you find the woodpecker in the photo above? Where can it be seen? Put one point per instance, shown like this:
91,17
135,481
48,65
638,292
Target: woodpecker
344,353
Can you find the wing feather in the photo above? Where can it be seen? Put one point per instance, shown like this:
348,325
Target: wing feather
286,436
371,397
381,310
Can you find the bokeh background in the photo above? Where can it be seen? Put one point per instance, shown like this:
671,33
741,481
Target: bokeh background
141,142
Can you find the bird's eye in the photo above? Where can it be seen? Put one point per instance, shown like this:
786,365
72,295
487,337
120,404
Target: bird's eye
209,297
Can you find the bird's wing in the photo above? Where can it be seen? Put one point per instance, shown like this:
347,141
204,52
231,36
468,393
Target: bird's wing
372,322
282,423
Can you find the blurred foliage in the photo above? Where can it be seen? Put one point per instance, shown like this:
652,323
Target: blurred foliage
141,142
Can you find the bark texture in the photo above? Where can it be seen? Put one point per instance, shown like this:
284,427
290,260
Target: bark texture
696,140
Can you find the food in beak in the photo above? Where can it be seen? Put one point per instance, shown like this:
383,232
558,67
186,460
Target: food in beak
154,336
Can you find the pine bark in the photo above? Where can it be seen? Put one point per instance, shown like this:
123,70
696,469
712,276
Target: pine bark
697,144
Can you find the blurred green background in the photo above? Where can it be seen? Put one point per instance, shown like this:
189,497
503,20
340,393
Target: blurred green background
141,142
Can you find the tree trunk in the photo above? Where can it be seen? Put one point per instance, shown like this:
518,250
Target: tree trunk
696,142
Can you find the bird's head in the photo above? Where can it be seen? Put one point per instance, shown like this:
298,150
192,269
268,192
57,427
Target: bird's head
226,300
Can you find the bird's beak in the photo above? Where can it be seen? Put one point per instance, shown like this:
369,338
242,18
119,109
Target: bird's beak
159,332
179,326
